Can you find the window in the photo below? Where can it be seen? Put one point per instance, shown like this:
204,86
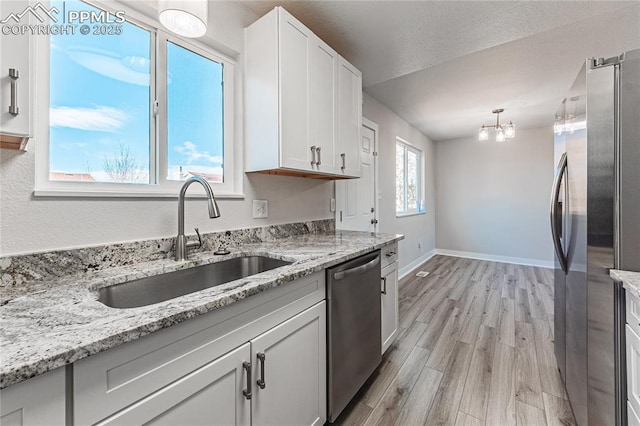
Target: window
409,196
136,112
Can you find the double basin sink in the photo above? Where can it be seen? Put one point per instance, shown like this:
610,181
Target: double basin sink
159,288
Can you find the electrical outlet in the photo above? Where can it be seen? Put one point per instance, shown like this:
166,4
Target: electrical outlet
332,205
260,209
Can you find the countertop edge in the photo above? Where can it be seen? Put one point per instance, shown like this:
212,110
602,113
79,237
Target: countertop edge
630,280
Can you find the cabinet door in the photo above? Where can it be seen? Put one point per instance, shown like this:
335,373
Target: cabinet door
389,302
294,365
15,53
323,91
633,369
295,44
349,118
211,395
37,401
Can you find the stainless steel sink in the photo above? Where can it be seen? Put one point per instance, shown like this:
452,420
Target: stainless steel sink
158,288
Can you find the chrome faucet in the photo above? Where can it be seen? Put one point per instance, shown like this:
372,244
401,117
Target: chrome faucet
182,245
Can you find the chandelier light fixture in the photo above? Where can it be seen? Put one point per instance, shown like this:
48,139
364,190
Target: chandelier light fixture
508,131
185,18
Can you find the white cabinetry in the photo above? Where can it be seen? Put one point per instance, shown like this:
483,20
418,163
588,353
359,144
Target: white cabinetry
15,79
389,299
296,87
37,401
292,357
324,108
212,394
633,357
349,118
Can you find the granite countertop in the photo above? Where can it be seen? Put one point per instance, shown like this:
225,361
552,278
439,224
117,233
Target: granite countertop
55,322
630,280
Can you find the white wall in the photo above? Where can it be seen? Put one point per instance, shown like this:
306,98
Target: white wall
29,223
419,229
493,198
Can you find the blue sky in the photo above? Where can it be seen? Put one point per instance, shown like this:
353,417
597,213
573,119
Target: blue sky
100,101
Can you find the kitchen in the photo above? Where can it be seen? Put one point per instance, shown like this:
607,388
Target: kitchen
285,190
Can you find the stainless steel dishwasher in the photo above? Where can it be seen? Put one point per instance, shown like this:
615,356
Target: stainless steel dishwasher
354,336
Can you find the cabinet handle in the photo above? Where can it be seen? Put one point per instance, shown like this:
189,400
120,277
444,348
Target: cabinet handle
390,254
343,161
313,155
247,367
260,382
14,75
319,158
384,286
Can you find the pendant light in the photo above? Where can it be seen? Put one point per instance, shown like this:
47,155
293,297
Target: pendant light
187,18
508,131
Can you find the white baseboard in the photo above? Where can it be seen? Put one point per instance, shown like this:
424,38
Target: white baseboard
496,258
403,272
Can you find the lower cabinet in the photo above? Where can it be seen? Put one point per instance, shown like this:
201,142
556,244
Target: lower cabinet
37,401
277,378
633,370
389,304
289,364
213,394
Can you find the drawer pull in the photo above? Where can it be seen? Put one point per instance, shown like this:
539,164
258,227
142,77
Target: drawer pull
247,367
260,381
391,254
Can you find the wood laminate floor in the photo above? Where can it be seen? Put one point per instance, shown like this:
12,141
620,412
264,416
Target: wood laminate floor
475,347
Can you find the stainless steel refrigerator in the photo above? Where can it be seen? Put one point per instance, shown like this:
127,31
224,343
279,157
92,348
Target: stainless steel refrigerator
595,223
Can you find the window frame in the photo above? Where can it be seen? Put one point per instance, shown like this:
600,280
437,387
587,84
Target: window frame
408,147
159,186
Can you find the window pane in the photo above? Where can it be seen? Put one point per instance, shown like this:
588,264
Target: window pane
99,108
194,115
400,178
412,180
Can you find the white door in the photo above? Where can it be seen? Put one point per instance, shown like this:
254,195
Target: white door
349,117
323,111
211,395
296,43
356,198
292,356
15,54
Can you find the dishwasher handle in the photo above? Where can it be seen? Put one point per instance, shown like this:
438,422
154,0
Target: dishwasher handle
357,270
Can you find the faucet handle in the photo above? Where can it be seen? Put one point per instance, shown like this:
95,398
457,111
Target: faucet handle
199,237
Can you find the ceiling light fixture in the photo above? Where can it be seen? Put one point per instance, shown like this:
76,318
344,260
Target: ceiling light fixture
508,131
185,18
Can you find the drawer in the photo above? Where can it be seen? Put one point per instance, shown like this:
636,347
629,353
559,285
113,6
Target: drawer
109,381
633,369
633,312
389,254
632,417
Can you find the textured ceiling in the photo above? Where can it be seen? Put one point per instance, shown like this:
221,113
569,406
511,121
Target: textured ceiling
444,65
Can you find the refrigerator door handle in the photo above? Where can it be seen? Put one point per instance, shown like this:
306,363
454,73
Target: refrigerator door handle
560,171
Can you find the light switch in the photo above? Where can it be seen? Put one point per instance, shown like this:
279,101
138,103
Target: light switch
260,209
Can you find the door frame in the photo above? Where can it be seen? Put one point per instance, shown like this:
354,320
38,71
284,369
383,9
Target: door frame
376,184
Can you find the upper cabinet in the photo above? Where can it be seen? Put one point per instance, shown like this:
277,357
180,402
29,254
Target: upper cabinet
349,118
303,102
15,88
